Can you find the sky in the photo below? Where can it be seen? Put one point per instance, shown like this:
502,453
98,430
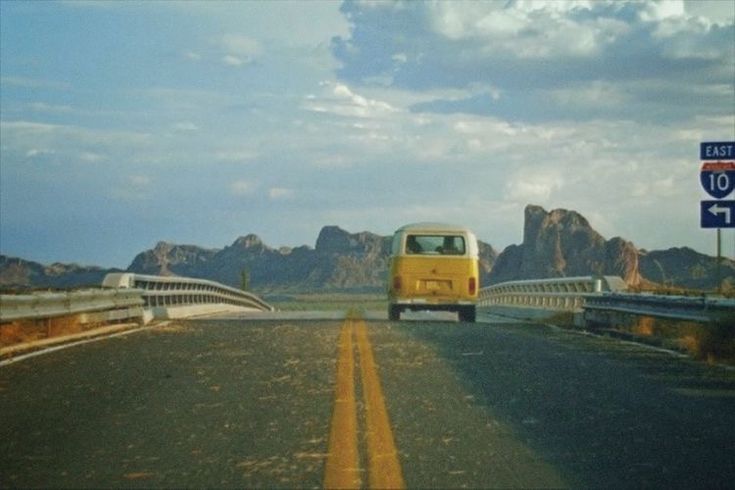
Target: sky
123,123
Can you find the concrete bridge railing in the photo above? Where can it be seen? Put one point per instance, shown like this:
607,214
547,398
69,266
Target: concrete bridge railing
176,297
562,294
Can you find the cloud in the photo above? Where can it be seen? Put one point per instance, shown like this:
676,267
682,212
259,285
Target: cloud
240,49
242,188
276,193
38,152
340,100
231,60
529,185
531,51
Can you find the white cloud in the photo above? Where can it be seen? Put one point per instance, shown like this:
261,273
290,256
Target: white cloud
242,188
534,29
716,12
340,100
38,152
240,49
662,10
533,185
276,193
231,60
241,45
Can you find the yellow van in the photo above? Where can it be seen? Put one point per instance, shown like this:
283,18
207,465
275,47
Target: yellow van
433,266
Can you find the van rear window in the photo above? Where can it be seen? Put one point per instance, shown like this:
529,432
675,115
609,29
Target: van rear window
435,245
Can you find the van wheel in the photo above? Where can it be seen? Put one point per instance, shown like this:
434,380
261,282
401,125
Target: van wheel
467,314
394,312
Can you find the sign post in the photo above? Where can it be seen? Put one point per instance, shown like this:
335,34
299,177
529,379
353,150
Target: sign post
717,176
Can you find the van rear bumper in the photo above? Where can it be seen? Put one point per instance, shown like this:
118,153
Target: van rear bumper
430,304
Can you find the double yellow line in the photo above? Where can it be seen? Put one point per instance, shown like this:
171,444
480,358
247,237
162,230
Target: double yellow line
343,461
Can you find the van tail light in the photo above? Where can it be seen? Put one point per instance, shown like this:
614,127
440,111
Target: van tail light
473,286
397,283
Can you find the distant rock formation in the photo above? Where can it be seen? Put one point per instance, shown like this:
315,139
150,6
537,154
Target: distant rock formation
684,267
340,261
167,259
19,274
559,243
562,243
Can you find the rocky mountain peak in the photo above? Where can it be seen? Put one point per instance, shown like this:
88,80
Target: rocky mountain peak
250,241
561,243
542,225
333,239
162,247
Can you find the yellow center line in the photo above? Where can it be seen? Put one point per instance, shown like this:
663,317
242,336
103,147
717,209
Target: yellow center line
342,466
384,469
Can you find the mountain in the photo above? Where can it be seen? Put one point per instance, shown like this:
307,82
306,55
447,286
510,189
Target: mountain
167,259
562,243
22,274
340,261
684,267
558,243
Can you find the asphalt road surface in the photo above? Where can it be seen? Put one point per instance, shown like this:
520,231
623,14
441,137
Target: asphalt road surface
251,402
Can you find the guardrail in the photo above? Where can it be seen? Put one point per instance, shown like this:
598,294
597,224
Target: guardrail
117,304
704,309
173,296
566,294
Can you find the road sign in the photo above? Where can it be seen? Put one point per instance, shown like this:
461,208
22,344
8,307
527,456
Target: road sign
717,150
717,214
718,178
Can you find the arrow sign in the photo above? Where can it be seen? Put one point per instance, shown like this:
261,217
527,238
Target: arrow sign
718,178
717,214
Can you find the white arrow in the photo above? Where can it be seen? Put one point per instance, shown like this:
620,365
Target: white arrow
715,209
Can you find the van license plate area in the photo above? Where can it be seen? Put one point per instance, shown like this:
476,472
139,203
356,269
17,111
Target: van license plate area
438,285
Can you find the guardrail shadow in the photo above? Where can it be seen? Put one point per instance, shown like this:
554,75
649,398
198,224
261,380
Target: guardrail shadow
604,417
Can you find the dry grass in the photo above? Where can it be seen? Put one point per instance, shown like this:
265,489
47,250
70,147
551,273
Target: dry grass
22,331
709,342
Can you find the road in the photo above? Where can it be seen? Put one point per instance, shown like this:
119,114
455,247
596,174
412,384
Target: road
250,402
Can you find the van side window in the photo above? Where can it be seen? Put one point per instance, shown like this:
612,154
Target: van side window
435,245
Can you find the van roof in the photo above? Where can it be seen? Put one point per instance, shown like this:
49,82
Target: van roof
434,227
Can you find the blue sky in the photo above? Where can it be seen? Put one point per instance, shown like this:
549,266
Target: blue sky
126,123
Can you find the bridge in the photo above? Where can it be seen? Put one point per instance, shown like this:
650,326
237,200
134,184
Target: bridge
171,382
